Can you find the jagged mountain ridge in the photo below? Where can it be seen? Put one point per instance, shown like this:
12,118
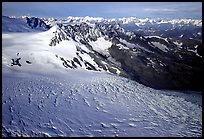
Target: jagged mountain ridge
23,24
34,22
141,58
154,61
174,28
137,21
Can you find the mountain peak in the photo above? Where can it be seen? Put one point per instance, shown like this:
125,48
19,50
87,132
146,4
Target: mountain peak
58,35
54,28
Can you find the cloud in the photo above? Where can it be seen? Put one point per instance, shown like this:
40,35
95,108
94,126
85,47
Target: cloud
154,9
160,9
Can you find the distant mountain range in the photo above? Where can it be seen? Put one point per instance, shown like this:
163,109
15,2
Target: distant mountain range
129,47
174,28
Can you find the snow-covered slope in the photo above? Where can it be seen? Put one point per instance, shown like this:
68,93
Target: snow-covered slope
58,83
81,103
35,48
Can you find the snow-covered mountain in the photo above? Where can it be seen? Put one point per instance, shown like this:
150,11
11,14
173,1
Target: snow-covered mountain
108,47
23,24
174,28
144,23
67,79
187,28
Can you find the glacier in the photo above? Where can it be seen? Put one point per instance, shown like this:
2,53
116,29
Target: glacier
44,99
84,103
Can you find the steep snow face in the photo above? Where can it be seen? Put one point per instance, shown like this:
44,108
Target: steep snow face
101,45
81,103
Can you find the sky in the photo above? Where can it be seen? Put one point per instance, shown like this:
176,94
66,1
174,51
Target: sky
177,10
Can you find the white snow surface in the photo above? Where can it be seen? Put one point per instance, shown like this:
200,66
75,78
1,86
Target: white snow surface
82,103
101,45
161,46
179,44
137,46
194,51
125,20
45,99
137,21
35,47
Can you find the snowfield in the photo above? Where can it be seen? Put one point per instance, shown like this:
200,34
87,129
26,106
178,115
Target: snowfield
45,99
80,103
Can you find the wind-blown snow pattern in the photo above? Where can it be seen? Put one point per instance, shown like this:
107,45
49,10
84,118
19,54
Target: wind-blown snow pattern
93,104
41,98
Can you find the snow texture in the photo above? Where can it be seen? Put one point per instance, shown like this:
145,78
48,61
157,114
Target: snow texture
86,103
41,98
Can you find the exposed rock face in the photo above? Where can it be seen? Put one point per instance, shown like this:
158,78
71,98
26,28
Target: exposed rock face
173,75
34,22
154,61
